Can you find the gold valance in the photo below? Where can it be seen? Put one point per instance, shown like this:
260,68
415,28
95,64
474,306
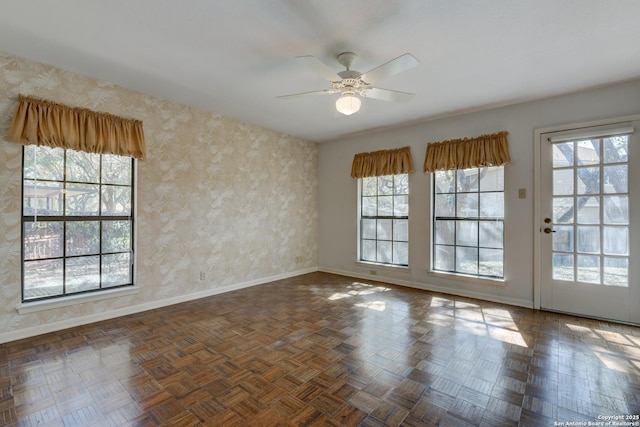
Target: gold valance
47,123
485,150
380,163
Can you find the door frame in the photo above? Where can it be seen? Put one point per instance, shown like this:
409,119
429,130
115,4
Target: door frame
537,191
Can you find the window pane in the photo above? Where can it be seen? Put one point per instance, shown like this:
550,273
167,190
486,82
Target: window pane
445,232
444,258
616,149
385,184
563,210
616,240
369,186
491,205
588,240
81,200
467,205
384,252
401,184
401,205
42,278
588,269
467,260
401,253
116,169
616,271
384,229
616,210
587,152
467,180
368,250
616,179
467,233
83,167
83,274
43,163
83,238
445,181
491,179
368,229
385,205
562,182
369,206
116,270
589,210
490,262
445,205
491,234
588,180
563,239
563,267
43,239
116,236
116,200
563,154
42,198
401,230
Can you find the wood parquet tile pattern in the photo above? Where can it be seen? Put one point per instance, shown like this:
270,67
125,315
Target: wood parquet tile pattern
325,350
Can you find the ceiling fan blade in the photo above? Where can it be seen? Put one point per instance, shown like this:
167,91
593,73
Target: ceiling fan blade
315,92
319,67
395,66
387,95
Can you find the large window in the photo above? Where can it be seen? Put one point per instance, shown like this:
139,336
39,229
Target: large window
468,222
384,219
77,222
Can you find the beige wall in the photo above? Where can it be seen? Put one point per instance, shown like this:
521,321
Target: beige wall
233,200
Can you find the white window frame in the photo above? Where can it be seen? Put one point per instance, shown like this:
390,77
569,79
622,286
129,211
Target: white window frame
456,219
393,218
67,298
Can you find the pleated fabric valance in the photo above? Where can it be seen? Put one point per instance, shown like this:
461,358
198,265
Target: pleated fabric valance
485,150
42,122
380,163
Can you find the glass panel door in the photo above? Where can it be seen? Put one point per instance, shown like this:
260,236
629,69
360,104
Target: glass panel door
586,228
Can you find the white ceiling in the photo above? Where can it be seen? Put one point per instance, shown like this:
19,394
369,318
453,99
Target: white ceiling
233,57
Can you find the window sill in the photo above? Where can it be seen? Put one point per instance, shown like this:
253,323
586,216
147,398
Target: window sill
465,278
50,304
383,266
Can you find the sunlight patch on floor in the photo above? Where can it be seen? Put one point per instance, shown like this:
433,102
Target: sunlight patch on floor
373,305
472,318
629,345
358,289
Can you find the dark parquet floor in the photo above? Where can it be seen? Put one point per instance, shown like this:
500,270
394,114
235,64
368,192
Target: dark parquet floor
325,350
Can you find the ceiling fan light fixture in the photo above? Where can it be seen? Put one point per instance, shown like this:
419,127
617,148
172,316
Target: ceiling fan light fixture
348,104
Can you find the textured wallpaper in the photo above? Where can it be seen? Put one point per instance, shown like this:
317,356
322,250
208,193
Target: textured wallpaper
233,200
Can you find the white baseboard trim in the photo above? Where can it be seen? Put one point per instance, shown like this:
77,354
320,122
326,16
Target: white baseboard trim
428,287
97,317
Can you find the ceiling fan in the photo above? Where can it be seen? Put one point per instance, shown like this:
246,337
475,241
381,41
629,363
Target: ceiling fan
350,83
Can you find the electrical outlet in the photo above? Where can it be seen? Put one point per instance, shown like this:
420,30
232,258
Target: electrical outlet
373,272
202,276
522,193
299,259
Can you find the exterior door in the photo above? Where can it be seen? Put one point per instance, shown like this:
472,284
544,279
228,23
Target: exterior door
589,245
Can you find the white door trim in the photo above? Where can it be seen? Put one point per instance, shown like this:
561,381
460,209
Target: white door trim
538,215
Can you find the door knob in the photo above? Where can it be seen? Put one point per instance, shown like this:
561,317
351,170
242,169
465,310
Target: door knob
548,230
